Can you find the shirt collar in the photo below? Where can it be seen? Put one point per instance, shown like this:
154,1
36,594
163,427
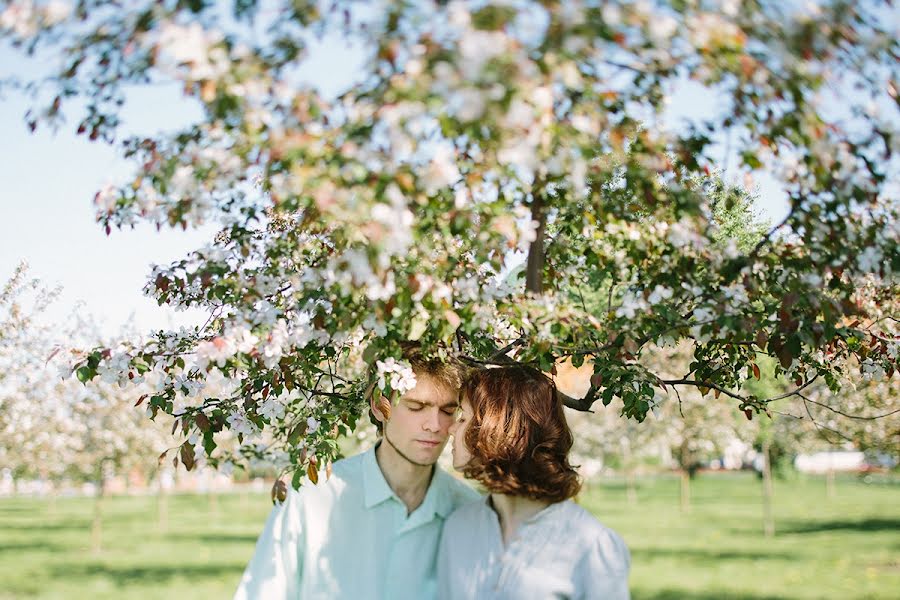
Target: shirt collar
437,498
375,485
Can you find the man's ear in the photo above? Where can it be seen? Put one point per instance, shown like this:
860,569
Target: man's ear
380,408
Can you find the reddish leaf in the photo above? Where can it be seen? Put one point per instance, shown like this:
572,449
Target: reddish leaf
187,455
748,413
312,472
756,371
784,356
279,491
761,339
202,422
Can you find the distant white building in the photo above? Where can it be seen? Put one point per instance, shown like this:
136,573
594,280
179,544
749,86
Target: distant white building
823,462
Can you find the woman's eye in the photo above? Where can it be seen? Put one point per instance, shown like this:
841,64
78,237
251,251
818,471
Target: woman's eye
415,407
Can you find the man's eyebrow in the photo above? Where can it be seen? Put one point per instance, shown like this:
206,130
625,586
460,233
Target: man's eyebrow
426,402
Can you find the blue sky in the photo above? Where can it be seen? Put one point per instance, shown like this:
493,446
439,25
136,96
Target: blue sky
49,181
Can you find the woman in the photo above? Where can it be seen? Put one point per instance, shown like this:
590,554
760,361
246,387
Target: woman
527,538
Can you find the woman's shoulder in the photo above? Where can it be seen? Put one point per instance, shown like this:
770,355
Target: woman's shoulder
596,538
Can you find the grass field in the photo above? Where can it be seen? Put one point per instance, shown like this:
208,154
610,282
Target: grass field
843,547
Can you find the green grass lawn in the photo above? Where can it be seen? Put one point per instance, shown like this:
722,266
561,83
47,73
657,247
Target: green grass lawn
842,547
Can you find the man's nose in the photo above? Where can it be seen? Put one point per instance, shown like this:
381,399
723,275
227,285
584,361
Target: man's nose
432,421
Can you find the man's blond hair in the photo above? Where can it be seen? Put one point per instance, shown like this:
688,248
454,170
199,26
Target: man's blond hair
448,373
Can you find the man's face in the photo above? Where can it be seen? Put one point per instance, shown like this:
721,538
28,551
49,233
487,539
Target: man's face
420,421
461,454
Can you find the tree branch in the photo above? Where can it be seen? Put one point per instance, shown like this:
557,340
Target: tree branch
768,237
499,354
843,414
793,393
821,428
534,270
706,384
579,404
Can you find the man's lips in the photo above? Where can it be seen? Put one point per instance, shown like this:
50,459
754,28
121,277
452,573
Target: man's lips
430,443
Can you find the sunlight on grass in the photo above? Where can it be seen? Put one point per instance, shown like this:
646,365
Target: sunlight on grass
841,547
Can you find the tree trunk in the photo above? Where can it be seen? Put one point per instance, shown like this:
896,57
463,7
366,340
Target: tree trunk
245,499
630,490
768,493
685,491
162,505
829,484
53,505
213,504
97,524
534,270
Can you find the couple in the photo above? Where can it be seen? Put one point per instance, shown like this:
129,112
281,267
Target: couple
390,524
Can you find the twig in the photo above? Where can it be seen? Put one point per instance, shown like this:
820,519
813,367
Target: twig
680,407
706,384
767,238
849,416
820,428
794,393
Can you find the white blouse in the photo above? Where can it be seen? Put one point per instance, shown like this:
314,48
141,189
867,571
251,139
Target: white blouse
561,552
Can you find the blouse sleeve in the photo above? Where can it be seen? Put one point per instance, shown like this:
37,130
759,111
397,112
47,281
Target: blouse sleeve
603,571
275,569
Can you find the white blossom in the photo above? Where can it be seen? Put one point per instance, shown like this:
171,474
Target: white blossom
396,374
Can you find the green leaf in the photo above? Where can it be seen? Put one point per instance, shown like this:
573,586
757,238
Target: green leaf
209,444
85,374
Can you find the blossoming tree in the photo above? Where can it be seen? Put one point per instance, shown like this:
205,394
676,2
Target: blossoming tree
478,135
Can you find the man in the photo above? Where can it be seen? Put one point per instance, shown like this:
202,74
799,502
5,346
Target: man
372,530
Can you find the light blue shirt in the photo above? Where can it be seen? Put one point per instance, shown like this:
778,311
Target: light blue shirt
561,552
351,537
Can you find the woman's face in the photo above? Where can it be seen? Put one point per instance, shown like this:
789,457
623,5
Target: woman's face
461,455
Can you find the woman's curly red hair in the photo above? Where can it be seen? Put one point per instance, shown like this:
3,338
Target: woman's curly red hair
518,436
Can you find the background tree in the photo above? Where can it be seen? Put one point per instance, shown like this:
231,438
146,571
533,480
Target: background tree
53,427
30,446
390,213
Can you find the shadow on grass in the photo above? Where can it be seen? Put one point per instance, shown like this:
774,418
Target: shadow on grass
691,595
147,575
42,527
215,538
29,546
863,526
696,554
